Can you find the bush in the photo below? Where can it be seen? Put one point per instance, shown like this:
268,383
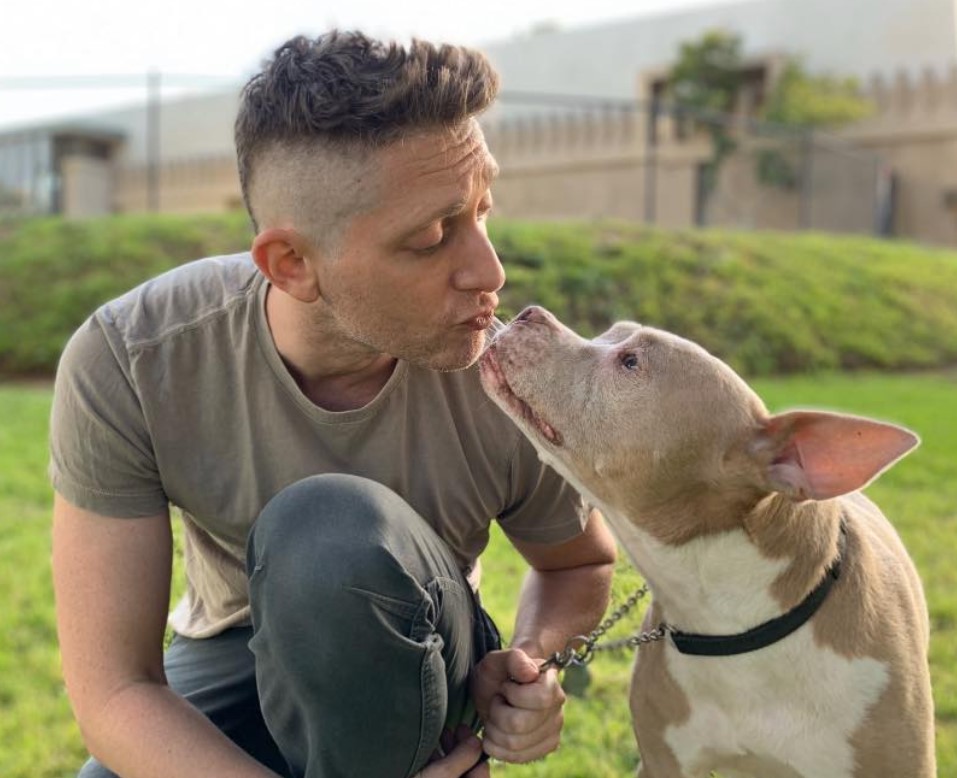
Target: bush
765,302
54,273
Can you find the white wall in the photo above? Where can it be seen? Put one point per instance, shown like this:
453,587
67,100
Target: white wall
848,37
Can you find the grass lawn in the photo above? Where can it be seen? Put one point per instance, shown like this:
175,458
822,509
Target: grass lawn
39,740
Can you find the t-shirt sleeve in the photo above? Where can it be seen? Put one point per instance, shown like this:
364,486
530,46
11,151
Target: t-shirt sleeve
544,507
101,458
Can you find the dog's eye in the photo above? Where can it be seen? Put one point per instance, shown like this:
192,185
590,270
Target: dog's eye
629,361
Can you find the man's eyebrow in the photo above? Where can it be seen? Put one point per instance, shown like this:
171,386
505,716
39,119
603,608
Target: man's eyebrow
446,212
490,172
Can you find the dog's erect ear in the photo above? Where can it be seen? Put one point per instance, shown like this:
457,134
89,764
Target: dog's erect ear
811,455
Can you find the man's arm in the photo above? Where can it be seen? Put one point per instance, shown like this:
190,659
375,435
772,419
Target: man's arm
564,594
566,591
112,583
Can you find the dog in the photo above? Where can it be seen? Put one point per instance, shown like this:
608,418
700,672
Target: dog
795,626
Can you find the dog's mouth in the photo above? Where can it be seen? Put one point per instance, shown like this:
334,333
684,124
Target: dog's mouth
494,377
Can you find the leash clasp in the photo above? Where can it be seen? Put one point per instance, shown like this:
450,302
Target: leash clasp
578,651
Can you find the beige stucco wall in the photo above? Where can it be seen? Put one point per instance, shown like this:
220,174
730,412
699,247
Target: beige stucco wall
86,186
609,189
594,165
915,131
558,170
187,186
923,210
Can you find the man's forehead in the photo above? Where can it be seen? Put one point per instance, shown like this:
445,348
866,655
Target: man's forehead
447,152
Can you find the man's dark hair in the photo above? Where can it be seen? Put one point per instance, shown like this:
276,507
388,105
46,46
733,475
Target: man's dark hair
349,91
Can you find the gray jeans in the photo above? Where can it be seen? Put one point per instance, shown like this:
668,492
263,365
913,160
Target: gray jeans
364,634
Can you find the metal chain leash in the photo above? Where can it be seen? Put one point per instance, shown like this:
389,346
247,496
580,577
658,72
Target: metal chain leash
580,650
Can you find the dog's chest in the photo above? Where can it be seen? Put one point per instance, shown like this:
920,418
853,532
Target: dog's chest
787,711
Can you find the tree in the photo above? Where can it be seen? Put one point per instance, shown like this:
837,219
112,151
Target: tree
706,78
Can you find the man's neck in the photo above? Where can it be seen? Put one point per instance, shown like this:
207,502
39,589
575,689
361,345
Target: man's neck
333,371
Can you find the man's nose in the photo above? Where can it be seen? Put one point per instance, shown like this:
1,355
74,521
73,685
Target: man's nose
479,268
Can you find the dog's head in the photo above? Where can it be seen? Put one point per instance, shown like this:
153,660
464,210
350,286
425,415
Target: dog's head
649,423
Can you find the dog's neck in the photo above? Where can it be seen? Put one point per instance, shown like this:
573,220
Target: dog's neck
756,568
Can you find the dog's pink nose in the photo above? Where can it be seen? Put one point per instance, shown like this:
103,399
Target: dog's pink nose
534,313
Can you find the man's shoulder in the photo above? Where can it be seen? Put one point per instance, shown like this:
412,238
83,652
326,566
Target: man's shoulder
180,298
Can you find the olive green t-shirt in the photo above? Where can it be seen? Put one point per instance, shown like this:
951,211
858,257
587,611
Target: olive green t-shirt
174,395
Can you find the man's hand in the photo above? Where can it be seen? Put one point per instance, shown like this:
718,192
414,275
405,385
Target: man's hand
463,750
521,707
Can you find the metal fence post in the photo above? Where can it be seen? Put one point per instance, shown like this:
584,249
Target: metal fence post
651,162
805,217
154,87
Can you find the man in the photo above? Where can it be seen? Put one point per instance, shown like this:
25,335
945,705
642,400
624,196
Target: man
312,411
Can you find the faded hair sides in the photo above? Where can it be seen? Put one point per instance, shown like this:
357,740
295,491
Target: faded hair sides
347,93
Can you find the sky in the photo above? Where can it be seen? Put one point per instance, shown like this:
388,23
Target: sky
209,43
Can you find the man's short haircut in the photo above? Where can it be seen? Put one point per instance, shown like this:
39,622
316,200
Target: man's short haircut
321,106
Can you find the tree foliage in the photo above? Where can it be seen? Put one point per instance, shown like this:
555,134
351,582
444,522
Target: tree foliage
799,99
707,78
806,102
707,74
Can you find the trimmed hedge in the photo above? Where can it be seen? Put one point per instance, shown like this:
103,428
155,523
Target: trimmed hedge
765,302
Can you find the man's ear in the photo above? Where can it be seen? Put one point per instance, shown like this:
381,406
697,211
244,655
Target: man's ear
809,455
280,254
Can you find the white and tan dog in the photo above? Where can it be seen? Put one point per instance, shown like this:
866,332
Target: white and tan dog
798,630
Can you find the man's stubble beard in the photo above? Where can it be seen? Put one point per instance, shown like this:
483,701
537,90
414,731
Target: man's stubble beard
447,352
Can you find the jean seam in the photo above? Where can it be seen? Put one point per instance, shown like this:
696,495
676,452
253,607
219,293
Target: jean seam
401,608
429,705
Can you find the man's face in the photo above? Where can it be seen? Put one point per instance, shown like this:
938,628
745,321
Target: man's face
415,277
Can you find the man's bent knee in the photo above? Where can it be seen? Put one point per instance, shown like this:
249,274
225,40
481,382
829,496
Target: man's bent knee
328,534
359,610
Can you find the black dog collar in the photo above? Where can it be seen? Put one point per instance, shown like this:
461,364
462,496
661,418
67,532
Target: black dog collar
770,631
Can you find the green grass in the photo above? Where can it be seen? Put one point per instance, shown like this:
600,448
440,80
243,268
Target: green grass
39,740
37,736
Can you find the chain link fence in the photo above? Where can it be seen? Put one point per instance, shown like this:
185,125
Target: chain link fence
580,157
796,180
